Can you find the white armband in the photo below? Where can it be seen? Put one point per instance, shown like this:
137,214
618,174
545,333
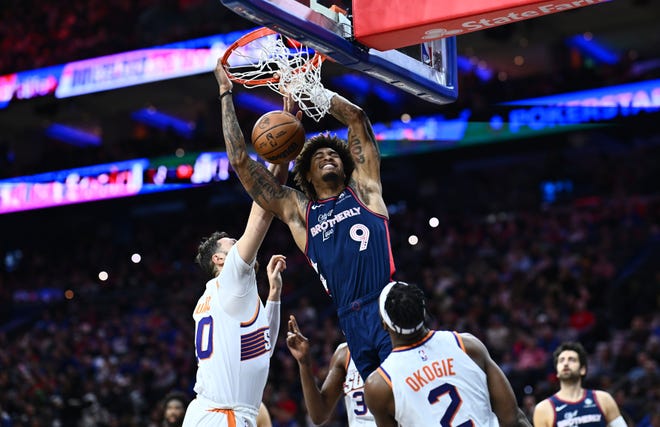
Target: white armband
273,316
329,94
618,422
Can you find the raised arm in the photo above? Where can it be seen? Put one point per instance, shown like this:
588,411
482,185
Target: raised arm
276,266
284,202
320,402
364,149
502,398
258,222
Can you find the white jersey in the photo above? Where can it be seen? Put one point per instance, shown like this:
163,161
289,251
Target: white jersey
435,382
356,408
232,343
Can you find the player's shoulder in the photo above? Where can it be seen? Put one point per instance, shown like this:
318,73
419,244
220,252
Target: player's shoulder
543,413
341,355
604,398
545,404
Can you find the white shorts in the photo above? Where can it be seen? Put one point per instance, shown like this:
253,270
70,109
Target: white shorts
205,413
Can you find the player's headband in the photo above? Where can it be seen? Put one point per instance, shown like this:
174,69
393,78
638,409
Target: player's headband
386,318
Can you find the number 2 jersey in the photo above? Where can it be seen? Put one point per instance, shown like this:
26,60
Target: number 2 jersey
435,382
349,247
232,338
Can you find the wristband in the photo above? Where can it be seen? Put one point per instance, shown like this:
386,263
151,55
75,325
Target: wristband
329,94
223,94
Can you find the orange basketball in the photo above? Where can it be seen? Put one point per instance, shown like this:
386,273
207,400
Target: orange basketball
278,136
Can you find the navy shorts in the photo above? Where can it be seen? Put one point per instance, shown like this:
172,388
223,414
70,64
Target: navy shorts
368,342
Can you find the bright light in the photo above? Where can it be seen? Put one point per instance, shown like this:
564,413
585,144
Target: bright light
103,276
405,118
434,222
413,240
136,258
68,294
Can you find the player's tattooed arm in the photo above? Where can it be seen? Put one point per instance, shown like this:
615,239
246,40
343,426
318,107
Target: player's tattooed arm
234,139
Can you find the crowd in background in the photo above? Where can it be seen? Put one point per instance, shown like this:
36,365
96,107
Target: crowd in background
521,274
37,34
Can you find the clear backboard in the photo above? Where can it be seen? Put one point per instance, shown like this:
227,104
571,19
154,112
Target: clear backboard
430,73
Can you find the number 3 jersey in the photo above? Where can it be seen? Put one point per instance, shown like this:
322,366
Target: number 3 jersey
435,382
349,247
232,338
356,408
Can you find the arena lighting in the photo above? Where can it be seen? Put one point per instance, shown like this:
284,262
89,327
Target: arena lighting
638,95
72,135
120,70
589,47
255,103
159,120
479,69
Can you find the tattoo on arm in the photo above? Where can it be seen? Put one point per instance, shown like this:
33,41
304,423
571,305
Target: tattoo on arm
234,140
261,184
355,145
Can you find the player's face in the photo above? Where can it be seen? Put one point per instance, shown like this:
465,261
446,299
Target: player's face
326,165
174,412
224,245
568,366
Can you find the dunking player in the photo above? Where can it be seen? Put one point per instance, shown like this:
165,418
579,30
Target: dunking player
343,377
339,221
573,405
234,332
435,377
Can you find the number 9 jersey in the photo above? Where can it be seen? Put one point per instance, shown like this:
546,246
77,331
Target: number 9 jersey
435,382
349,247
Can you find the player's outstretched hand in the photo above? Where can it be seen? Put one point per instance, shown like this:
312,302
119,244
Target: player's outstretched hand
298,344
290,105
275,267
224,84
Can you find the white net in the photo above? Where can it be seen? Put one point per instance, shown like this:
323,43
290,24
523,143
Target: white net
299,70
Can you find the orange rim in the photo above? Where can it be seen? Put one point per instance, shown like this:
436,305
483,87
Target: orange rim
248,38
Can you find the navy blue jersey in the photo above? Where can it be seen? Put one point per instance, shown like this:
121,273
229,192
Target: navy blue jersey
584,412
349,247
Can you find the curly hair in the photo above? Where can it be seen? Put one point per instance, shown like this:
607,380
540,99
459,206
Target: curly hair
406,305
304,161
205,251
573,346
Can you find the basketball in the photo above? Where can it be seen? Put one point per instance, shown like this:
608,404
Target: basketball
278,136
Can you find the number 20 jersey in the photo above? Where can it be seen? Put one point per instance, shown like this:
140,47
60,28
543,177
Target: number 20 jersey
435,382
349,247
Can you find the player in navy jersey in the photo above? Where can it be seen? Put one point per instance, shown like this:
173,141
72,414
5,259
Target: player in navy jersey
339,219
572,405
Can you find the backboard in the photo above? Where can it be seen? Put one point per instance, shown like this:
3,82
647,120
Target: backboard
430,75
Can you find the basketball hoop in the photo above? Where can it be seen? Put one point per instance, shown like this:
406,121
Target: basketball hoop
266,58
